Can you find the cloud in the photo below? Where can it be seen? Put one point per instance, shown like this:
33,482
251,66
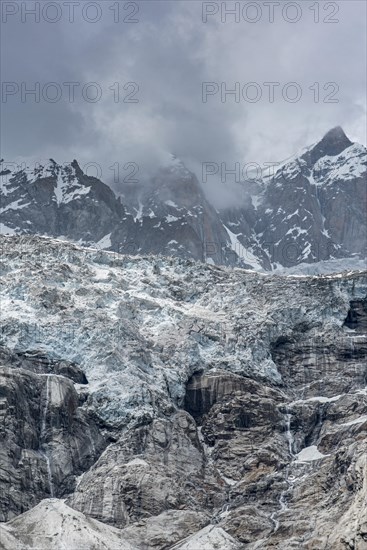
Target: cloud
169,53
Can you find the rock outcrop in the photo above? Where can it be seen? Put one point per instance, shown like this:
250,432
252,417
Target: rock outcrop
54,525
47,439
309,209
154,404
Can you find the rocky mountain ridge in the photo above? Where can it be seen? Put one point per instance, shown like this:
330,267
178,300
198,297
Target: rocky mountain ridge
160,403
310,210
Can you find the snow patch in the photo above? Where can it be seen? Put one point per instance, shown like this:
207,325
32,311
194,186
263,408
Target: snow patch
241,251
308,454
170,218
5,230
171,203
359,420
105,242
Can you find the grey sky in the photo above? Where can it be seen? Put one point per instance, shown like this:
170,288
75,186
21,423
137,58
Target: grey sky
169,53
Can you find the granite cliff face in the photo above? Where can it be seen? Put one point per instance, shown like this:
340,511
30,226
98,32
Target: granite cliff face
174,218
158,403
310,210
62,201
318,202
168,215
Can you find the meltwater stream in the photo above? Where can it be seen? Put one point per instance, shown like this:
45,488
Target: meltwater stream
44,453
282,500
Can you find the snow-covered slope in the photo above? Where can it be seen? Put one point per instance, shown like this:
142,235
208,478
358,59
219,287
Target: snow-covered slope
313,208
62,201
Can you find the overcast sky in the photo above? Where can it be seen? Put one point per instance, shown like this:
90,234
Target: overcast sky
169,52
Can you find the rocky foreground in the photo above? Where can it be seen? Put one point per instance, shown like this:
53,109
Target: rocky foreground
155,403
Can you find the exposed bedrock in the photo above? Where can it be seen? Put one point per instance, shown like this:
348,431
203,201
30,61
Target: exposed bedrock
39,363
187,407
151,469
46,438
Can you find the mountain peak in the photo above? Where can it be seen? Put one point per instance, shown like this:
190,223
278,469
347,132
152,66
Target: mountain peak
335,141
332,144
336,134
